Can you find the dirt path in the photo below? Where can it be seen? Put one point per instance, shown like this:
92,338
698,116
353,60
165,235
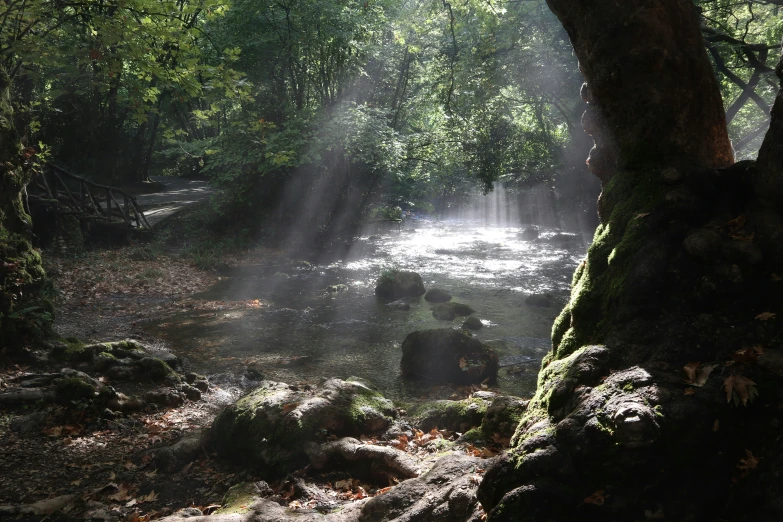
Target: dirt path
176,194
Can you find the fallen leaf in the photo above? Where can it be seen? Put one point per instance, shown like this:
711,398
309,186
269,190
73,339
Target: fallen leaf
289,407
698,375
748,355
689,391
748,463
129,465
775,277
151,497
641,215
740,389
716,425
122,494
152,473
131,503
598,498
766,316
738,222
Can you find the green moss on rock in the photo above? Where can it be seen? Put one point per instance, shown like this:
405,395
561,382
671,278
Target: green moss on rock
395,284
74,389
270,426
453,415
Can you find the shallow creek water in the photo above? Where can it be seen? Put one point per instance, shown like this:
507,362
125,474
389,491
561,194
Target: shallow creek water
307,332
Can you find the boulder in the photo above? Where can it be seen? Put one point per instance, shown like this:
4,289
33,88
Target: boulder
473,323
395,284
529,234
540,300
446,355
502,416
437,295
560,238
448,311
451,415
272,425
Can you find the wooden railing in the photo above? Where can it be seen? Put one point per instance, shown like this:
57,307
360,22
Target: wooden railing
75,195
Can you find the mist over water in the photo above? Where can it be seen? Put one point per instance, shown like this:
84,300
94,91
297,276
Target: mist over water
307,330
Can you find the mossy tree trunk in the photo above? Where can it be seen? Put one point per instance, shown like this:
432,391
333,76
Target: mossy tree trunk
25,312
683,271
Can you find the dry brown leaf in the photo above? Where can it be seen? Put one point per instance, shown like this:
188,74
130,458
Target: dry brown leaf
748,355
738,222
289,407
776,277
123,494
151,497
641,215
697,374
740,389
129,465
598,498
749,462
689,391
766,316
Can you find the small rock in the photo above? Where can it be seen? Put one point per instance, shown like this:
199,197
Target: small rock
30,423
529,234
703,244
203,385
191,392
473,323
437,295
448,311
334,289
166,397
539,300
394,284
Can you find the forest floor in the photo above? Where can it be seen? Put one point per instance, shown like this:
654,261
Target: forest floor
104,294
103,465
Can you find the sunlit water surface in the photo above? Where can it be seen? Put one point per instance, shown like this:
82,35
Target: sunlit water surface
307,332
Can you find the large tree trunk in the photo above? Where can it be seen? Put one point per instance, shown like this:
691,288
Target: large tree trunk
668,313
24,311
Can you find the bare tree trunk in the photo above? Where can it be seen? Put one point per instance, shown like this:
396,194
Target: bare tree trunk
673,310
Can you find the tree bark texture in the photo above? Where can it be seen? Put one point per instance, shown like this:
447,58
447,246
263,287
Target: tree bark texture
637,414
651,90
24,312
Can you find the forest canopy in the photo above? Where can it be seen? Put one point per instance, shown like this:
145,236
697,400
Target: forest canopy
406,102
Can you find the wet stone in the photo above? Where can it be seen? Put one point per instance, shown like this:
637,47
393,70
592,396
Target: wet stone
447,355
437,295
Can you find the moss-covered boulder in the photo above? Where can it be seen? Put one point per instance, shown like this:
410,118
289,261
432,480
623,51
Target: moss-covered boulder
73,389
473,323
448,311
437,295
502,416
451,415
395,284
446,355
270,426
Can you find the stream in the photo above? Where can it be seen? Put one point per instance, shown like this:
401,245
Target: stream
305,331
